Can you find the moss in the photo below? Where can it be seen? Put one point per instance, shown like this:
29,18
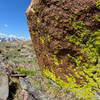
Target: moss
98,4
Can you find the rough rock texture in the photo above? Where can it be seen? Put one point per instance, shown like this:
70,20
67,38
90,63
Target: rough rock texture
50,22
4,88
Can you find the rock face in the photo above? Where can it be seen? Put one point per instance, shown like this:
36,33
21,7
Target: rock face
60,30
4,88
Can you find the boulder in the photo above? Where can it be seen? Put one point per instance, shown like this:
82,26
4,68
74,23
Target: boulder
4,88
60,31
30,92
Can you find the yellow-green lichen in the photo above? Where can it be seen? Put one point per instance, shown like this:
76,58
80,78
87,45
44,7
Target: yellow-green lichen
39,8
87,8
57,51
33,11
78,25
61,61
38,20
56,17
39,31
55,60
81,91
98,4
73,39
33,32
58,0
48,37
42,38
97,17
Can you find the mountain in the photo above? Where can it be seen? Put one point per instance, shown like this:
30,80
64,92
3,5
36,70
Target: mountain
10,38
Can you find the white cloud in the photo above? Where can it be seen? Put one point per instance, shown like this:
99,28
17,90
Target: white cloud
5,25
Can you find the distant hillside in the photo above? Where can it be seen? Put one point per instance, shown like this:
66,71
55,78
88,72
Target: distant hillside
10,38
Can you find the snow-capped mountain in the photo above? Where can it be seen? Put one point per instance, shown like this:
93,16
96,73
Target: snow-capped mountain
10,38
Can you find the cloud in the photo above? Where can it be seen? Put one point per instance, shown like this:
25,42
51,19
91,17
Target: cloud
5,25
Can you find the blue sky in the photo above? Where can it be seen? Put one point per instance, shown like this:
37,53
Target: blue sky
12,17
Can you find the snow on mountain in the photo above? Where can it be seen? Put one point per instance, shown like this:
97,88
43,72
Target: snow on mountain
10,38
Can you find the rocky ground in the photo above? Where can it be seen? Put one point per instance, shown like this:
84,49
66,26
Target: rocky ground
21,78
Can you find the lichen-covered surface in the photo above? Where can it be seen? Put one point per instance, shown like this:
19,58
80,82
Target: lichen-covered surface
65,35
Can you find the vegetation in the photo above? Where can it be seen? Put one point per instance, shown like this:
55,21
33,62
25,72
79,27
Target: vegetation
98,4
90,43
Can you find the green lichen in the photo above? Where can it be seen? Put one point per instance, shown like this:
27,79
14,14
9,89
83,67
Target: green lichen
38,20
55,60
98,4
58,0
87,8
97,17
33,32
47,55
33,11
60,21
39,8
56,17
81,91
90,45
42,38
78,25
61,61
73,39
48,37
57,51
39,31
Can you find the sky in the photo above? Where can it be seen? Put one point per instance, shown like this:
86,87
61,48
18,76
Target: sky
13,19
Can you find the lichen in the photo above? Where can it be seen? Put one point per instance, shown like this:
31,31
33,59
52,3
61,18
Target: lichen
55,60
33,32
39,8
82,91
48,37
78,25
98,4
38,20
42,38
33,11
97,17
56,17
